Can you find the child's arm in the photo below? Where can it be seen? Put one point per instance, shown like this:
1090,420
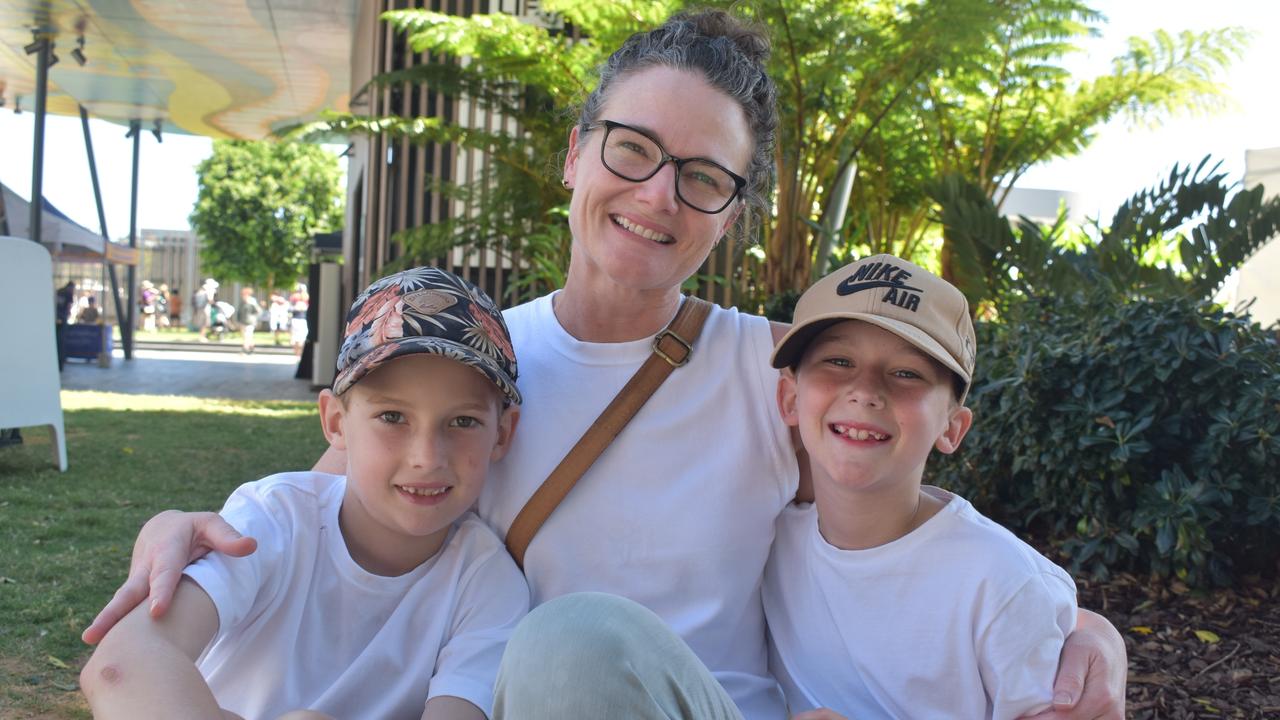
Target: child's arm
446,707
146,667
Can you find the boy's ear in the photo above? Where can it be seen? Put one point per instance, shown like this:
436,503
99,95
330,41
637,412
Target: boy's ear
331,412
787,397
957,427
507,421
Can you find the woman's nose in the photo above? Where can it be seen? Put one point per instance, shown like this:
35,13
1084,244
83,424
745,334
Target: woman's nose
659,191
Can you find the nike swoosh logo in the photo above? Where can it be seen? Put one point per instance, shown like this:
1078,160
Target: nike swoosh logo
848,288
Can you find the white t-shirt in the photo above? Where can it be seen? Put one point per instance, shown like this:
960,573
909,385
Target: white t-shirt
678,513
301,625
957,619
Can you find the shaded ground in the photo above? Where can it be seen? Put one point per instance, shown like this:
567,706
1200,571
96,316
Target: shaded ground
1195,655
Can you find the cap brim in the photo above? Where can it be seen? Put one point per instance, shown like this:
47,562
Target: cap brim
431,346
788,351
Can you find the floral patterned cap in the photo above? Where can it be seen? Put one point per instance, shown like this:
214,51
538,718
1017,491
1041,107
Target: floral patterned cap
426,310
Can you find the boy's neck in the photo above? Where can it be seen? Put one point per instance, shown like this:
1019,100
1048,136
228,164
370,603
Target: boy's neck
384,552
860,519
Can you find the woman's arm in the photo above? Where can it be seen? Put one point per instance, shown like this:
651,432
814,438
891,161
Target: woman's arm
145,667
166,544
1091,674
169,542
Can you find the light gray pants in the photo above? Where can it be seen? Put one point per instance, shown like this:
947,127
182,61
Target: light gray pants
594,655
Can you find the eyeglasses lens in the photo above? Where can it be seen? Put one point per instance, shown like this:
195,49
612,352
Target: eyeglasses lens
635,157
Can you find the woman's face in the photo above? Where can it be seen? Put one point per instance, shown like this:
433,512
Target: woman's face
640,235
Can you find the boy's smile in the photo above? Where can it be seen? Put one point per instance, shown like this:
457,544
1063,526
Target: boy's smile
420,432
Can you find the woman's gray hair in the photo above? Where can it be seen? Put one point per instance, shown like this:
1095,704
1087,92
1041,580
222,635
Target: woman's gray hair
729,53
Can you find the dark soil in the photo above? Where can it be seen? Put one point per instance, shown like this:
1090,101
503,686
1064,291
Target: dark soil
1230,669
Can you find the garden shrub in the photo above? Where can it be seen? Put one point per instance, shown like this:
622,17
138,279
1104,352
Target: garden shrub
1136,434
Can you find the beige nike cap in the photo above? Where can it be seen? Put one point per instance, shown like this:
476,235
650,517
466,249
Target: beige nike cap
899,296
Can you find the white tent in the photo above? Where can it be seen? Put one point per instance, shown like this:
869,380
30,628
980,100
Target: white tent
66,240
1259,275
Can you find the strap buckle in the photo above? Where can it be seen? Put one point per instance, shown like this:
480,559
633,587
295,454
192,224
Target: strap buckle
684,344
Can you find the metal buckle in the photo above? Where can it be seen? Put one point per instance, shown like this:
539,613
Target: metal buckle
657,348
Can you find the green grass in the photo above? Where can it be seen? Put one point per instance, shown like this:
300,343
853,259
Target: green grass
65,538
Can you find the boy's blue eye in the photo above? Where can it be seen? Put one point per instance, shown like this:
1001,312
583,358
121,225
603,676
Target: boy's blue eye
391,416
464,421
839,362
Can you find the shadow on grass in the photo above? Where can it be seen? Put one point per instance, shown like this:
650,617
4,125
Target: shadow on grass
65,538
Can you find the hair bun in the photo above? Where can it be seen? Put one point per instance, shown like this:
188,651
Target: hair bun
748,37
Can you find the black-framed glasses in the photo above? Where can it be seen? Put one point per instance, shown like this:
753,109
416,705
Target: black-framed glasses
634,155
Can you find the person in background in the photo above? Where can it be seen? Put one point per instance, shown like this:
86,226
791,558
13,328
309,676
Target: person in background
202,306
162,307
64,304
147,305
90,313
278,316
299,301
247,314
175,308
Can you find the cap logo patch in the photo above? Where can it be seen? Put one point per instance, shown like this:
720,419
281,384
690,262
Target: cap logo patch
883,275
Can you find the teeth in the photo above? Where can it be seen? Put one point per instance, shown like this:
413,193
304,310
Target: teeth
642,231
424,491
859,434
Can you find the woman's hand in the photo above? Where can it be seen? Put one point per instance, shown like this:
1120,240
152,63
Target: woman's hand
1091,674
166,544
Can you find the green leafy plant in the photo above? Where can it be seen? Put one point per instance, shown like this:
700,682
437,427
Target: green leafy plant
1136,433
1182,237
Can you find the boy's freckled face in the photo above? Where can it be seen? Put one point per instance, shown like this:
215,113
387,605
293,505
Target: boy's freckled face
419,433
870,406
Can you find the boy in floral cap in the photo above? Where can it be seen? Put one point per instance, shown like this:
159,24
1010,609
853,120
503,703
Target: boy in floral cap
374,594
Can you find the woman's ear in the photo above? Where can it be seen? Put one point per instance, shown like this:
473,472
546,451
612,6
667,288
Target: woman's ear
331,414
787,397
957,426
571,158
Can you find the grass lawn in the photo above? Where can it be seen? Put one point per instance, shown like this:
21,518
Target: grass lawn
65,538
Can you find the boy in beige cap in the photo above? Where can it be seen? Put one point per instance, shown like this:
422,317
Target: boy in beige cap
886,598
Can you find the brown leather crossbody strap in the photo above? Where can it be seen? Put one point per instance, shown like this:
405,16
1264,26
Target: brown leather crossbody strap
671,348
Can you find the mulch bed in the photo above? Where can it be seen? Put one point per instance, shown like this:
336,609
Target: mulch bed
1195,654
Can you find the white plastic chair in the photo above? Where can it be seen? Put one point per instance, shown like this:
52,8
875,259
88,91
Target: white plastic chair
29,380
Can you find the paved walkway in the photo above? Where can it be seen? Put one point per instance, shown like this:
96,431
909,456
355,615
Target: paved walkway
198,373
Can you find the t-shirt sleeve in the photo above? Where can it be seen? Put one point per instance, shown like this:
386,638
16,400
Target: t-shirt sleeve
1018,652
493,598
235,584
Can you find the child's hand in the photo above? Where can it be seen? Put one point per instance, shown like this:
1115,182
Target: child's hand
819,714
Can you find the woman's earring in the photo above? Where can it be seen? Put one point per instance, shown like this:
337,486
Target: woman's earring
564,182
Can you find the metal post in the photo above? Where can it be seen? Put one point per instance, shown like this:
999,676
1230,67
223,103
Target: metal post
126,329
103,359
37,149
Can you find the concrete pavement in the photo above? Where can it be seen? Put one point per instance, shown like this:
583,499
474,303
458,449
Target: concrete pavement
197,373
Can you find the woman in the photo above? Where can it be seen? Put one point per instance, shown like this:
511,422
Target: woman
678,513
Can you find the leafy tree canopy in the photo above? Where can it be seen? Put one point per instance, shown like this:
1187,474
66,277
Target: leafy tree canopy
897,92
258,205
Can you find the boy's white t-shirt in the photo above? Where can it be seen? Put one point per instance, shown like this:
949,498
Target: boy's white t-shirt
301,625
957,619
678,512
